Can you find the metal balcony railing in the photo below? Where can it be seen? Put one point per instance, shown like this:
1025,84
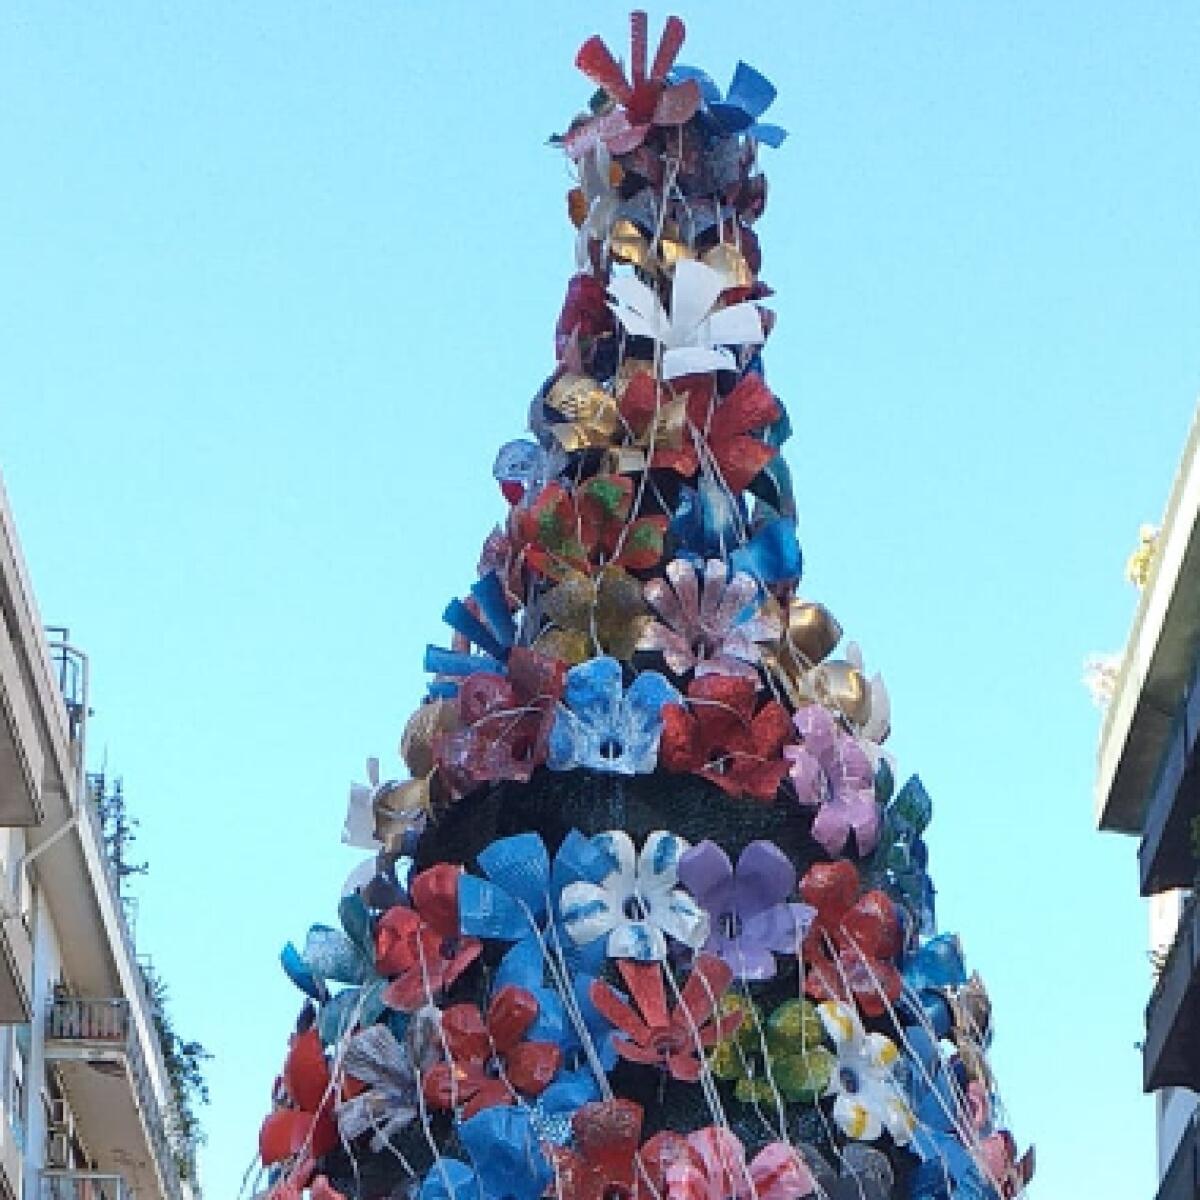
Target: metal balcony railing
83,1185
108,1021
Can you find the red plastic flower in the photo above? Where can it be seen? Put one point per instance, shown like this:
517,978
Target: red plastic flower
422,946
672,1041
642,101
728,423
564,531
852,944
720,736
585,314
603,1163
488,1062
303,1124
505,722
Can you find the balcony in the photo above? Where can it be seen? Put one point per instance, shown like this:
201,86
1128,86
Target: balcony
1182,1180
1171,1057
94,1044
1165,855
83,1185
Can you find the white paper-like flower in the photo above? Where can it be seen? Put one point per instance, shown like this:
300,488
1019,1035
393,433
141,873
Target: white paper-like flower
693,336
1100,673
637,903
869,1099
359,829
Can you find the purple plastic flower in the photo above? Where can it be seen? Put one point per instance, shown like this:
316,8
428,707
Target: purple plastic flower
750,919
833,774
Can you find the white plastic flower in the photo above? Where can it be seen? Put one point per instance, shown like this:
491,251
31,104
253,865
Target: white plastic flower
869,1099
693,335
359,829
636,905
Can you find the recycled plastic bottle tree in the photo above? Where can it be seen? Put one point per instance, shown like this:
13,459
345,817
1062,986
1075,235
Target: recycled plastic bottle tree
650,918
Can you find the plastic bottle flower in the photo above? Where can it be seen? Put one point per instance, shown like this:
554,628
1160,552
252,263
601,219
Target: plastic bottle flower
505,721
716,1169
868,1098
833,774
488,1062
724,736
750,94
671,1040
602,1164
852,944
599,614
390,1070
731,427
422,946
604,727
712,627
303,1124
643,99
695,334
564,531
506,1161
636,906
785,1053
750,919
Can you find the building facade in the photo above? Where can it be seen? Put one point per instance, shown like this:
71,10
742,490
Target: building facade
85,1098
1148,785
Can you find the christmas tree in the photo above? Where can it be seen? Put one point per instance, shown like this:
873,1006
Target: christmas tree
651,915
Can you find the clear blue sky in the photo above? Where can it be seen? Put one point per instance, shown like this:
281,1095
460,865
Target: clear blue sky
279,277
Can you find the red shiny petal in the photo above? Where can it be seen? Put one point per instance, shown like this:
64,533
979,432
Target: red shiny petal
305,1073
466,952
531,1066
510,1014
754,778
679,747
435,896
645,984
282,1134
438,1086
669,46
394,940
607,1133
883,980
638,46
617,1012
491,1094
770,730
831,888
873,926
595,60
823,981
633,1052
684,1066
466,1035
708,982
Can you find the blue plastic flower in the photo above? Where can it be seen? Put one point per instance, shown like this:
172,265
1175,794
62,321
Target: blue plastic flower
345,955
948,1170
707,524
494,632
519,899
508,1163
750,95
603,726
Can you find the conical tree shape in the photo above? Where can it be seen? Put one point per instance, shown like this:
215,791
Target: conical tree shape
651,915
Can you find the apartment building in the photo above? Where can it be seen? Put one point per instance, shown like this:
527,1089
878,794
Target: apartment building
1148,785
84,1094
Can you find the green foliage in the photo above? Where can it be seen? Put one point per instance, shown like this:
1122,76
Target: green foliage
184,1061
